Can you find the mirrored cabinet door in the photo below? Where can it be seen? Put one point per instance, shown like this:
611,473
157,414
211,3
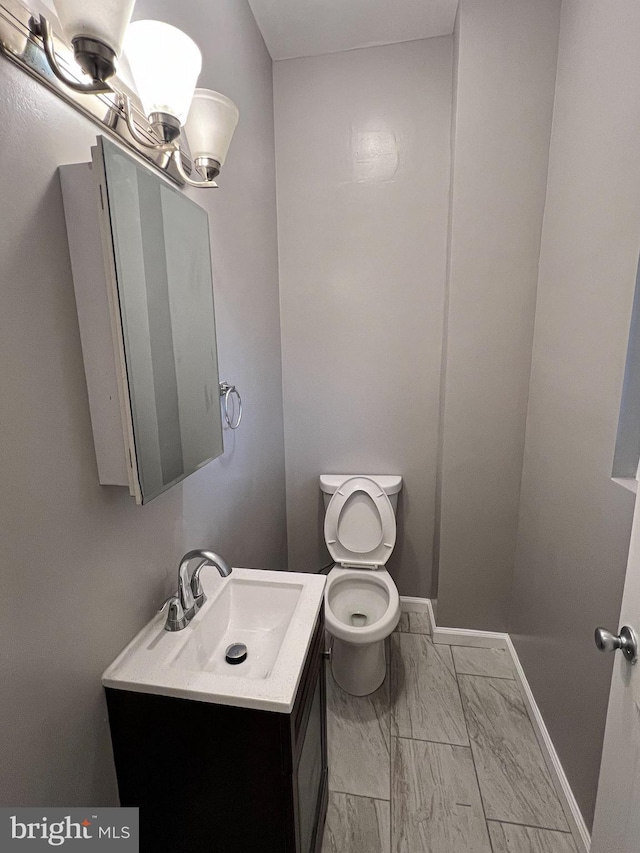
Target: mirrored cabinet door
159,295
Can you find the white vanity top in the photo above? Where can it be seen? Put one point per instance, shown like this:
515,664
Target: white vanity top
272,613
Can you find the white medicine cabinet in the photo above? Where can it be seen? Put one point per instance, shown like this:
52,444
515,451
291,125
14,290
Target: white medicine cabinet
141,263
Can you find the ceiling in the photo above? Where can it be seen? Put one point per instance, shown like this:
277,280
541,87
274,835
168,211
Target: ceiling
293,28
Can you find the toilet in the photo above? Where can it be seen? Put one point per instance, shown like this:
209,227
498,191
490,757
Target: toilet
361,601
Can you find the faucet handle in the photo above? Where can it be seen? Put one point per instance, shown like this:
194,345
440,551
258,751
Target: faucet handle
176,619
196,585
171,599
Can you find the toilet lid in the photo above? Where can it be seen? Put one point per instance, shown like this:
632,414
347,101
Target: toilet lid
360,524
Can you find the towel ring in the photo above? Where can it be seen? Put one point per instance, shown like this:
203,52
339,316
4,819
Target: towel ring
225,391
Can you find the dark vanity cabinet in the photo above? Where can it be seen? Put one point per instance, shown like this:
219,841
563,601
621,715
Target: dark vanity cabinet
222,779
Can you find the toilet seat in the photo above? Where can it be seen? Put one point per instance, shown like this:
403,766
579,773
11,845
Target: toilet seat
349,543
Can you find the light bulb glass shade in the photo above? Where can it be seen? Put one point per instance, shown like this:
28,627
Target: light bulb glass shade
105,21
165,64
212,120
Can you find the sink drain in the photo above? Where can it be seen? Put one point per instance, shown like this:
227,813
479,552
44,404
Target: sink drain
236,653
358,620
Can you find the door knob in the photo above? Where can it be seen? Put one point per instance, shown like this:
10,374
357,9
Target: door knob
626,640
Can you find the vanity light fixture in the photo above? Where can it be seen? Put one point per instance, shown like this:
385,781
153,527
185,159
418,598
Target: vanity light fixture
95,31
165,64
168,94
212,120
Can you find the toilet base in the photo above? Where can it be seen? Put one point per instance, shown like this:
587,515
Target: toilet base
358,669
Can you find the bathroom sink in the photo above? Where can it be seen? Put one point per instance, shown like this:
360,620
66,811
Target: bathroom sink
249,611
272,613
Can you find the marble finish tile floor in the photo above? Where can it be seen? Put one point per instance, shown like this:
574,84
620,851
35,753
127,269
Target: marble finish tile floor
495,663
357,823
424,692
414,623
441,759
516,786
359,739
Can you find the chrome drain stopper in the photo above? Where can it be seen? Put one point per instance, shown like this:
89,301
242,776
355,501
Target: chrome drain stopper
236,653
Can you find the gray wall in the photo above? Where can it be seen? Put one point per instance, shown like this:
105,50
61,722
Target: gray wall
362,152
83,568
504,99
574,522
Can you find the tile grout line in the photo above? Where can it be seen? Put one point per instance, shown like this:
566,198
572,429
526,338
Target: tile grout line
358,796
393,743
420,634
484,674
521,687
546,771
499,640
436,742
473,760
530,826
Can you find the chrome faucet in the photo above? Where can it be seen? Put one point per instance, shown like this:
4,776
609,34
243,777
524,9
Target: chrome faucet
190,597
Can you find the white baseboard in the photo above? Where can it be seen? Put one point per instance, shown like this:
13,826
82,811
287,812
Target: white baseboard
495,640
462,637
571,809
416,605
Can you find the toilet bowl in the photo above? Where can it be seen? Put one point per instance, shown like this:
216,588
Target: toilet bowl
361,610
362,604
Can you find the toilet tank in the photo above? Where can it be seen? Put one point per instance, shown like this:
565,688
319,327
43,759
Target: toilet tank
389,483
